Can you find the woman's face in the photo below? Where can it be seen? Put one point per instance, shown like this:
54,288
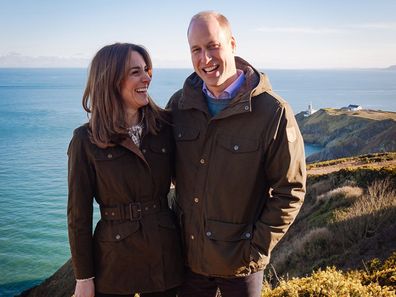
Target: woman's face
135,83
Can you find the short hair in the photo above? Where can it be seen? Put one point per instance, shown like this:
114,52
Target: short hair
102,98
205,15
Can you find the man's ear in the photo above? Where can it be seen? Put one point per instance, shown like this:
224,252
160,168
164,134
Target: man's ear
233,44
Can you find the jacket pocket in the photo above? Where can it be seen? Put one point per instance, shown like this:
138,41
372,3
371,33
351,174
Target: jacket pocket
182,133
109,154
237,145
106,232
160,148
227,247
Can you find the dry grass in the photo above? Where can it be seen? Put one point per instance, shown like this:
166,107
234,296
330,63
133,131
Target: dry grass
348,192
368,214
333,222
307,251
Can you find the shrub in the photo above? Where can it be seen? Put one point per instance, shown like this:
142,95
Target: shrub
328,283
381,273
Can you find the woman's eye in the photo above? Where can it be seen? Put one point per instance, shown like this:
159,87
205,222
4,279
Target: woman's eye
149,72
134,72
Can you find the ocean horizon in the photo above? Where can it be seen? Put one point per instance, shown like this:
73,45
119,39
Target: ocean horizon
40,108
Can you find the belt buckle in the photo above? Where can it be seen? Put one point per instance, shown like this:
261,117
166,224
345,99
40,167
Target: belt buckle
135,211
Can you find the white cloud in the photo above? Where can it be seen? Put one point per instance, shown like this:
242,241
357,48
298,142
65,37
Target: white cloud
378,25
329,30
303,30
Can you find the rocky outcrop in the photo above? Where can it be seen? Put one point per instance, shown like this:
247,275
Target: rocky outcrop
348,133
60,284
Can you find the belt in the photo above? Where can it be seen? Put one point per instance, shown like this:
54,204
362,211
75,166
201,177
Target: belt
131,211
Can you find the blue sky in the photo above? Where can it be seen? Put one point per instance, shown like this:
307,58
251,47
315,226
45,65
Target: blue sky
269,34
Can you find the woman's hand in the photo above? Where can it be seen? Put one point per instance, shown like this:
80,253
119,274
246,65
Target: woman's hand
85,288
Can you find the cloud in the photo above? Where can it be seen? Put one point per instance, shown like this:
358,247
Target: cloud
329,30
303,30
14,59
378,25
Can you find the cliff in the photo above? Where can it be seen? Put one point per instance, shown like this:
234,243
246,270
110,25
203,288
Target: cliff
347,219
349,216
60,284
348,133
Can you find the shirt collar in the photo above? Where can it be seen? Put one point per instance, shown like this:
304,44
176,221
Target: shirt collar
230,91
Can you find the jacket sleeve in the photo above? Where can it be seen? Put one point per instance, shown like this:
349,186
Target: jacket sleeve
170,106
285,170
81,180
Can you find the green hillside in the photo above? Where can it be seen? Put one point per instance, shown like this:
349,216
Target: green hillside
348,133
348,219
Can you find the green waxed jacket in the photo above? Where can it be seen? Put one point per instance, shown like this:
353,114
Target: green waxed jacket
240,176
136,244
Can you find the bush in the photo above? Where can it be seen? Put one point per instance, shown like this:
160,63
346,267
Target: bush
381,273
328,283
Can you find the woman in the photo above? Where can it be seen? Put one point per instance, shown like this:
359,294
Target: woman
122,159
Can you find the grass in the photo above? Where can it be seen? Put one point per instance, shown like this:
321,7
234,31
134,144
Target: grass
362,159
341,211
378,279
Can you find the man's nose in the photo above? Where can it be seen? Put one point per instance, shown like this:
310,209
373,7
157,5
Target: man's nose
206,56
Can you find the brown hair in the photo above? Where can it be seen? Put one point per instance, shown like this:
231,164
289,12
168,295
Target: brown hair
102,96
205,15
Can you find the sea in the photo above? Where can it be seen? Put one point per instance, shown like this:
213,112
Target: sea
39,108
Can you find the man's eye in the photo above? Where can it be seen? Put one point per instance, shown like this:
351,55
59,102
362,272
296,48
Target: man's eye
216,45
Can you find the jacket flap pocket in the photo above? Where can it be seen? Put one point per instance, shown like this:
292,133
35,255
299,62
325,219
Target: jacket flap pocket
217,230
185,133
160,148
166,219
237,145
115,232
109,154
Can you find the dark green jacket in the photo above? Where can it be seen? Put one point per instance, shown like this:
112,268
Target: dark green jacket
240,176
136,244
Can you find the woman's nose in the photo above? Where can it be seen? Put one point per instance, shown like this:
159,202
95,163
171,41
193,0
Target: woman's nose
147,76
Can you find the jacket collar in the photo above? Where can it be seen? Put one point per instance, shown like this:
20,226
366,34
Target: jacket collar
130,145
255,84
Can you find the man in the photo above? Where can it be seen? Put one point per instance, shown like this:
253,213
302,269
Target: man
240,169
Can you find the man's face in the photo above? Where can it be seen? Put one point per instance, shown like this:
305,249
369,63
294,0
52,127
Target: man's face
212,54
